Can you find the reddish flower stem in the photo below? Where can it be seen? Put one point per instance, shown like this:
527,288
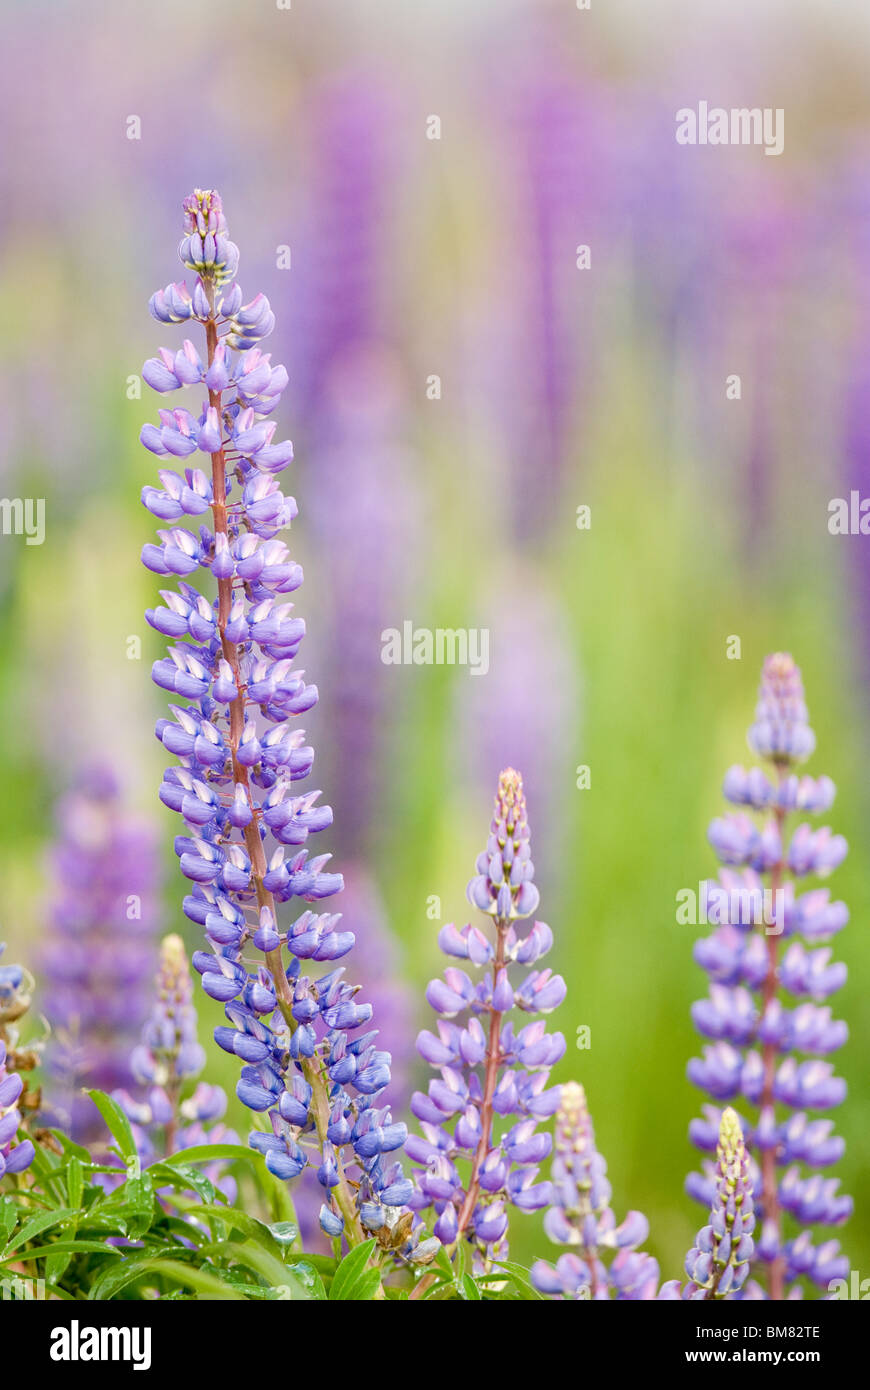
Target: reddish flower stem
311,1066
769,1186
490,1081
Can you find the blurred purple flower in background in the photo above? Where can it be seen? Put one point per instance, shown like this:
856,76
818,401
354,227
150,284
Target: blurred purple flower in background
97,960
378,967
368,511
164,1063
345,237
525,710
533,358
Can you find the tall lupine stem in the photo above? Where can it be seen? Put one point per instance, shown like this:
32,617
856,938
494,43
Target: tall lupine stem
492,1073
745,1017
769,1187
233,785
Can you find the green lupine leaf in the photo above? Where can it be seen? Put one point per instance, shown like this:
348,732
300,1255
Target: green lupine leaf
35,1225
75,1182
310,1278
72,1247
284,1232
365,1288
518,1274
118,1125
207,1153
70,1147
8,1218
351,1269
276,1274
206,1282
183,1176
55,1268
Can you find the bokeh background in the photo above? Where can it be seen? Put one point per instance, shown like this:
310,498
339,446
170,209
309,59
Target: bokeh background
456,257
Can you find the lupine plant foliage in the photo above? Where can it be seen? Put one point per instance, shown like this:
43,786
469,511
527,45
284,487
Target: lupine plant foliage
165,1203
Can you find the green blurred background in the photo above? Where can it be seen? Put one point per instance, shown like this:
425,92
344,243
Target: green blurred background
456,257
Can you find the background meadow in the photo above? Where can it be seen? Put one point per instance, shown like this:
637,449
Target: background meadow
560,387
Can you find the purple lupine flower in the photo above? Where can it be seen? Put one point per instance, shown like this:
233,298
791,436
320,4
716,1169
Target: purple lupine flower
348,364
377,968
365,471
489,1070
97,960
581,1217
15,1154
310,1067
536,719
718,1262
166,1060
753,1034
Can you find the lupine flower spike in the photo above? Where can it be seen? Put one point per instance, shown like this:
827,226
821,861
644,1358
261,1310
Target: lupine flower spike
718,1262
489,1071
97,962
165,1062
307,1068
581,1218
15,1154
753,1035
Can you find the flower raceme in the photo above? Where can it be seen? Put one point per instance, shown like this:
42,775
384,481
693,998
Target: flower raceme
15,1154
487,1070
166,1060
755,1039
581,1218
310,1064
97,962
718,1263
